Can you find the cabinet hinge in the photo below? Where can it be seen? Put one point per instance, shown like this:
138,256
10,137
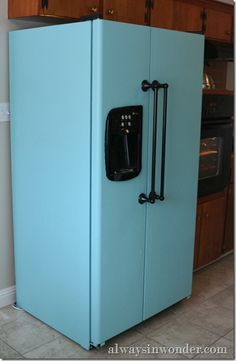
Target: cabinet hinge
149,4
203,28
204,15
145,18
45,4
204,18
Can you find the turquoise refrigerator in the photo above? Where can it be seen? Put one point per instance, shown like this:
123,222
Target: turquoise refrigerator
105,133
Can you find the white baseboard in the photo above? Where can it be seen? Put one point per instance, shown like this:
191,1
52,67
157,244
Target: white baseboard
7,296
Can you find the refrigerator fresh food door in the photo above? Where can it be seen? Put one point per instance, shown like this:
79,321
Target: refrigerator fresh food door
50,72
176,60
120,63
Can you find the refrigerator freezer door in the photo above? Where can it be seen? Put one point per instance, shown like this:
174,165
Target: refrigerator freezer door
121,61
50,71
176,59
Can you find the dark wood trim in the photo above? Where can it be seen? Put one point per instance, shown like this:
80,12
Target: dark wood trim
219,6
211,4
213,196
218,91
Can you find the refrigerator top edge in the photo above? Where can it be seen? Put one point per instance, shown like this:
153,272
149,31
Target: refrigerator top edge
53,27
80,24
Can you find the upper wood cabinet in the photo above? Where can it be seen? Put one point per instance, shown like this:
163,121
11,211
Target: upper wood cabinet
130,11
219,25
188,17
213,17
177,15
74,9
22,8
162,14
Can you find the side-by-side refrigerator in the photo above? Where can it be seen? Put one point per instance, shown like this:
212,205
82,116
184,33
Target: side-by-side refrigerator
105,131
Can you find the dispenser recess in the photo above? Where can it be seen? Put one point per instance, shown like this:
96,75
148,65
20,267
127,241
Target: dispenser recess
123,143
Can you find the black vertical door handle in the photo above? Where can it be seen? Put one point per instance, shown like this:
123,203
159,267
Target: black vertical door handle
163,151
153,196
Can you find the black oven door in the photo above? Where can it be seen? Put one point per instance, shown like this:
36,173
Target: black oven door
215,154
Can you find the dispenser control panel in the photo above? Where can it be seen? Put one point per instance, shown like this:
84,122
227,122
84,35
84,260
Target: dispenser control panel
123,143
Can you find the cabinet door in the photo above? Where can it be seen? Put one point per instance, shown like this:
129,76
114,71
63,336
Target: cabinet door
70,8
228,244
128,11
212,231
18,8
219,25
197,235
187,17
176,15
162,14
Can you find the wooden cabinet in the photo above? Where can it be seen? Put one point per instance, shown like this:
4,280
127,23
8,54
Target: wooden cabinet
228,243
197,236
210,230
162,14
214,233
177,15
219,25
188,17
74,9
130,11
212,18
215,18
22,8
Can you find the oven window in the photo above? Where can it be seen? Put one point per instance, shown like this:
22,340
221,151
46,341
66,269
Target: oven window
210,157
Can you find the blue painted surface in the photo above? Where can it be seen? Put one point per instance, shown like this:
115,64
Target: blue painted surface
50,72
90,260
176,58
120,63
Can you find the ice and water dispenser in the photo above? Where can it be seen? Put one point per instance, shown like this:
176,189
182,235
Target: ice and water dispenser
123,143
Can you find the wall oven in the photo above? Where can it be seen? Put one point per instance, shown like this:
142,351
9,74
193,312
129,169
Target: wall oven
216,143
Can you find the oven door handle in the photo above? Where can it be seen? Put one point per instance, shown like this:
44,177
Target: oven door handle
153,196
